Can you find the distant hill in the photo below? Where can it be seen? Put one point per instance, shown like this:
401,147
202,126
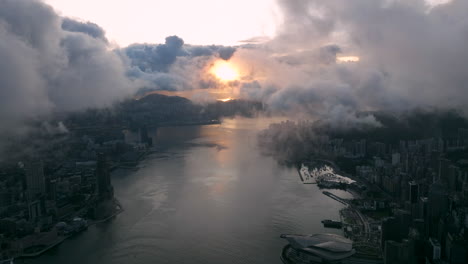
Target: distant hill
160,99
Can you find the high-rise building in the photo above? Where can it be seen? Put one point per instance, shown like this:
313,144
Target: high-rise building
144,137
52,189
35,180
104,186
360,148
395,159
424,214
390,231
443,169
404,221
399,252
413,192
34,210
454,173
438,205
455,250
5,198
434,249
465,191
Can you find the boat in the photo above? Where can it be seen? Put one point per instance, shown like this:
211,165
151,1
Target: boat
332,223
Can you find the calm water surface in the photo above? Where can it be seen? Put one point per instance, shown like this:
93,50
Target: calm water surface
209,197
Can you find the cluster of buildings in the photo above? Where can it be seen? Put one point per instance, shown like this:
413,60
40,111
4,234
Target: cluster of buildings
423,184
52,183
43,201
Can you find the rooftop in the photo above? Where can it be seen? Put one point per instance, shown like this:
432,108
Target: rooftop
326,246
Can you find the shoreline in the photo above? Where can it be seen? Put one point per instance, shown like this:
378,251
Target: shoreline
116,202
60,239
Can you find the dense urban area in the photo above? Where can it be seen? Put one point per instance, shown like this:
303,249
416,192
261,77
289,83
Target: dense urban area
56,182
410,187
409,182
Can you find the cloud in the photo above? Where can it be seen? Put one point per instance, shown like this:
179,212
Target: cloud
226,52
174,65
51,64
155,58
412,55
88,28
160,57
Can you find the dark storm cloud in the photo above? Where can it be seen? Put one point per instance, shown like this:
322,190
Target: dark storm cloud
45,68
89,28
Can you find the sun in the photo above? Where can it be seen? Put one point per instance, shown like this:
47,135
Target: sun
224,100
225,71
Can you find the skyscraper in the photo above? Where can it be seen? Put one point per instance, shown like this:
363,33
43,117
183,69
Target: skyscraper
144,137
35,181
413,192
104,186
399,252
396,159
390,231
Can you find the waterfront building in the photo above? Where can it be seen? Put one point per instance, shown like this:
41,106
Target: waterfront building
318,248
144,137
104,186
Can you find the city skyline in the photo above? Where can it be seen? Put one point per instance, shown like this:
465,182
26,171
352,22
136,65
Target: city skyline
272,131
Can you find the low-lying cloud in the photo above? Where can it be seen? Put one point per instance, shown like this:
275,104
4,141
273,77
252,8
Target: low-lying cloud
410,55
53,64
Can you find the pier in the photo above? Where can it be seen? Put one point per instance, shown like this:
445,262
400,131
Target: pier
335,197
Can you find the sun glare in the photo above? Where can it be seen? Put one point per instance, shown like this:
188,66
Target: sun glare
225,71
224,100
344,59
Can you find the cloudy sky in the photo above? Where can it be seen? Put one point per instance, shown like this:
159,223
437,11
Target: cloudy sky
198,22
330,59
202,22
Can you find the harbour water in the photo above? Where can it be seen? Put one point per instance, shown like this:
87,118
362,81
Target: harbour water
209,197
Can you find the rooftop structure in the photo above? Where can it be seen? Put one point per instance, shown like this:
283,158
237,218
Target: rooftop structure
318,248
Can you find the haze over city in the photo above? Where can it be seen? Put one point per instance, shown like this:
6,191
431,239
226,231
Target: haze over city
255,119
